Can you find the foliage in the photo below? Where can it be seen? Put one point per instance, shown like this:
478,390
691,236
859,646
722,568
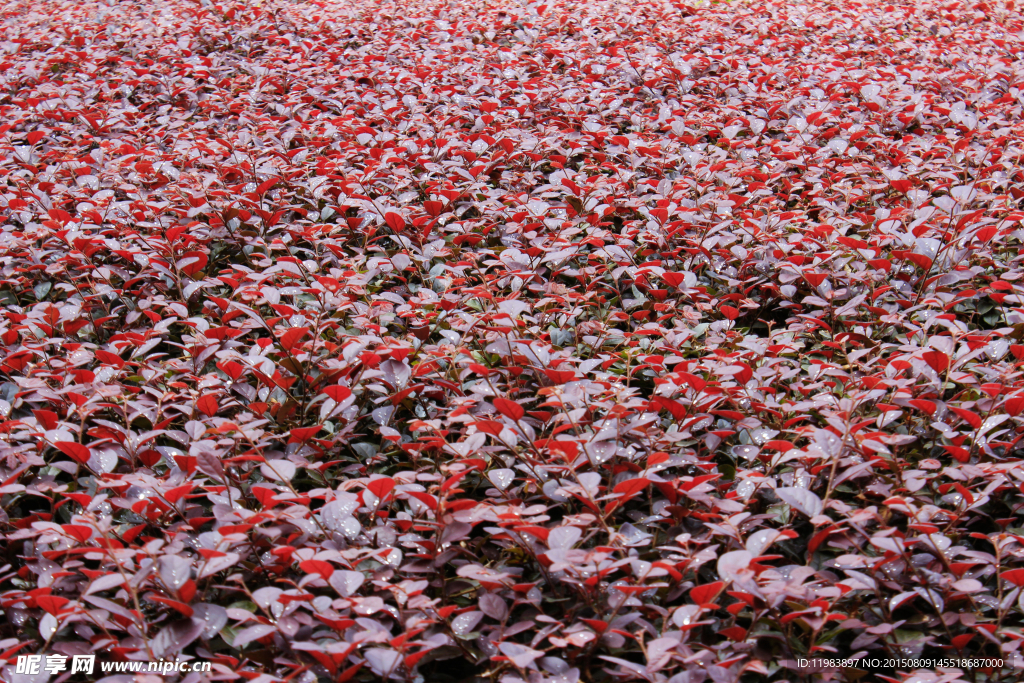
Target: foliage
579,341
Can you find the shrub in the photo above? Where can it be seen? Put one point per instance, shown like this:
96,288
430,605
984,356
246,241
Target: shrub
544,342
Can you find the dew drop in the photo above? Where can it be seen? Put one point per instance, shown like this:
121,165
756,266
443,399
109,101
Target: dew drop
997,348
748,453
762,435
139,493
463,624
350,527
79,357
502,478
47,626
953,499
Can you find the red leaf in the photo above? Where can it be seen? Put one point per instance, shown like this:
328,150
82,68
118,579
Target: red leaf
985,234
47,418
231,369
302,434
674,279
150,457
938,361
729,312
1014,576
569,449
794,615
814,279
509,409
291,337
598,625
920,260
414,658
324,569
75,451
433,208
992,389
35,136
706,594
677,409
266,185
697,383
188,591
51,603
80,498
424,498
960,454
959,568
972,419
560,376
734,633
349,673
191,262
453,480
923,406
657,458
172,496
264,494
79,532
337,392
631,487
1014,405
108,358
535,531
187,462
745,373
960,642
180,606
395,221
481,370
207,404
489,427
381,487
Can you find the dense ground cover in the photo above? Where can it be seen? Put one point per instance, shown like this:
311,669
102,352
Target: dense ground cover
550,342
